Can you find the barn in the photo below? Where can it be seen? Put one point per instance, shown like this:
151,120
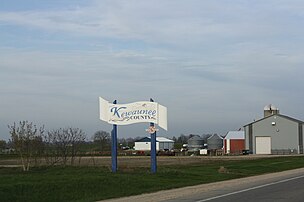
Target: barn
274,134
162,143
234,142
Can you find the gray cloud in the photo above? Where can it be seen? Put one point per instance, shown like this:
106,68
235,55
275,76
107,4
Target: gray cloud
213,64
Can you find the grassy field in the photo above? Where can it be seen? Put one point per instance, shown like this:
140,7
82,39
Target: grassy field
97,183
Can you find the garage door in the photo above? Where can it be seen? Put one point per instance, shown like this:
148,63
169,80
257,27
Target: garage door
263,145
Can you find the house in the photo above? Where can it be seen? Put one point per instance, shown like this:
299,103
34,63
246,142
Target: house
162,143
274,134
234,142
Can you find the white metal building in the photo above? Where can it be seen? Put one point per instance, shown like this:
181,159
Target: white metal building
162,143
274,134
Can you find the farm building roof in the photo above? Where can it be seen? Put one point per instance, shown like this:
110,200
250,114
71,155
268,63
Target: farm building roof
215,136
158,139
283,116
235,135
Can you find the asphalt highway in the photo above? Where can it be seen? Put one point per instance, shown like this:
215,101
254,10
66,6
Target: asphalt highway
283,186
285,190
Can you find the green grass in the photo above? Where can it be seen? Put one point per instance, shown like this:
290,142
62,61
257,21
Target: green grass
96,183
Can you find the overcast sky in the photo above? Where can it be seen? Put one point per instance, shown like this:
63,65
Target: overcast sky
214,64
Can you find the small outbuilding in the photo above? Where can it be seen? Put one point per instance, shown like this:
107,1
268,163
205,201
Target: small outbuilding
234,142
162,144
274,134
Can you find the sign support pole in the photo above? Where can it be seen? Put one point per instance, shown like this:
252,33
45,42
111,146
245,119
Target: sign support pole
114,146
153,148
118,114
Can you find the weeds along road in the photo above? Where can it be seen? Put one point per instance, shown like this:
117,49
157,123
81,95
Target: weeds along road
282,186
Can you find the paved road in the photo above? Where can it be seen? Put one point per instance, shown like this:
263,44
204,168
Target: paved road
283,186
285,190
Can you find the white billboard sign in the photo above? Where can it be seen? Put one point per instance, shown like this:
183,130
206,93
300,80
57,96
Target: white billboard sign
136,112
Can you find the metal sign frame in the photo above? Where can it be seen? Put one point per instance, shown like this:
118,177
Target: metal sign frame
152,130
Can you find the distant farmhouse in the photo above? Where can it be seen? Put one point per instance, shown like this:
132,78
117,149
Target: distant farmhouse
162,144
274,134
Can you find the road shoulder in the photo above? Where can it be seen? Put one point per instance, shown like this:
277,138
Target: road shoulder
210,187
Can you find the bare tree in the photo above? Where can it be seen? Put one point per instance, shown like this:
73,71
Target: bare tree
64,143
126,142
27,141
77,136
103,139
38,147
183,139
2,145
53,153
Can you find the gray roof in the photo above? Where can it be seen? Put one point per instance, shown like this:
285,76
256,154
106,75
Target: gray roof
283,116
235,135
215,136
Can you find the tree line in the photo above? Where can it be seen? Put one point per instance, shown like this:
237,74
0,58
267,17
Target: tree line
34,144
64,146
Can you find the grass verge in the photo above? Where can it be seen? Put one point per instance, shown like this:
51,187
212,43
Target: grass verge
96,183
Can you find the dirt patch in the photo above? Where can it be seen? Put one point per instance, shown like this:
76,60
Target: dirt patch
129,162
144,161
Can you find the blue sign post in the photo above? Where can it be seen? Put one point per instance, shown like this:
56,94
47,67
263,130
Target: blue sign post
114,146
153,148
